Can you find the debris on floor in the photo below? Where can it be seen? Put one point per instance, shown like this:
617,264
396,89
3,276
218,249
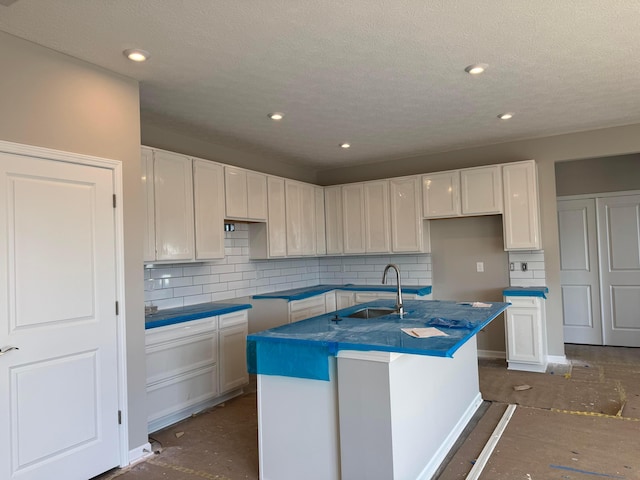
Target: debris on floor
520,388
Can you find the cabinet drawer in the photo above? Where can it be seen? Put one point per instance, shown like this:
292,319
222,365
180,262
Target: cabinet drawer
311,302
232,319
307,313
157,335
523,302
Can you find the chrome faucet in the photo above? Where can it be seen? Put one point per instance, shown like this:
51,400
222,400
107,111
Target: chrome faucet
399,305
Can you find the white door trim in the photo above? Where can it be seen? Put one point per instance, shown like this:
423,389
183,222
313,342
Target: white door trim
116,167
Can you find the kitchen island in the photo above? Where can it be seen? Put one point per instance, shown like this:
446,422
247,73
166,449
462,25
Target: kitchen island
349,398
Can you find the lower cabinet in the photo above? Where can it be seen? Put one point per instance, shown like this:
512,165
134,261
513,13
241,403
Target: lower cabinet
194,365
526,334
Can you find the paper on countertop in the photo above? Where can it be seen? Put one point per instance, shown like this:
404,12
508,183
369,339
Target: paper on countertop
425,332
476,304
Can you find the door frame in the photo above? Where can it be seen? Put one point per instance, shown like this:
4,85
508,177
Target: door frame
595,197
116,167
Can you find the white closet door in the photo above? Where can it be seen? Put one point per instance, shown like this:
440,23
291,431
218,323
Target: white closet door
619,245
59,390
579,276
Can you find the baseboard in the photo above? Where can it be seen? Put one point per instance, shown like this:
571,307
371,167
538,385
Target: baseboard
491,354
140,453
432,467
558,359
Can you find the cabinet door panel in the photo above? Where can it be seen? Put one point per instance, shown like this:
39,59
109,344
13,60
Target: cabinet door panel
333,219
481,190
233,357
235,182
521,215
293,197
256,196
377,224
149,252
321,239
406,219
523,335
440,194
173,185
353,221
208,186
277,217
308,220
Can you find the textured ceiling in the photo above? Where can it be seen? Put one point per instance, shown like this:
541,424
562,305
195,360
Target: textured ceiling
386,76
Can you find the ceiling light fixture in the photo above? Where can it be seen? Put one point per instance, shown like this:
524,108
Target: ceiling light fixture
476,68
345,145
276,116
136,54
505,116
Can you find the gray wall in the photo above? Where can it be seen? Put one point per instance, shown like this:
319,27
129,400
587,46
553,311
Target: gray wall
598,175
172,138
55,101
546,151
456,245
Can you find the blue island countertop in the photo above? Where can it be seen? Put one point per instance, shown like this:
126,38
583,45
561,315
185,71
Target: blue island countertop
171,316
306,292
540,292
301,349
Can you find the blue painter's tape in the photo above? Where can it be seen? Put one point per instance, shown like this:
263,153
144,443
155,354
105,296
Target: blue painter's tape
307,292
172,316
585,472
526,292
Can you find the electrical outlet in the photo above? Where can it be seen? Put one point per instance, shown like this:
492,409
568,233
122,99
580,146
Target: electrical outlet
512,266
524,267
480,267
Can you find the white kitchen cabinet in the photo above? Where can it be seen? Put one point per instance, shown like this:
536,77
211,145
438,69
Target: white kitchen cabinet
377,222
320,230
306,308
333,220
409,232
173,201
182,370
194,365
233,350
353,218
344,299
481,190
208,202
245,194
441,194
330,302
149,247
521,220
269,240
301,221
525,330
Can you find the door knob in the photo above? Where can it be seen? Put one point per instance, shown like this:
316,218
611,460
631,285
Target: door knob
7,350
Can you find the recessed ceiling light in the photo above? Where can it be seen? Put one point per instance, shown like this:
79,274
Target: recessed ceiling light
345,145
136,54
276,116
476,68
505,116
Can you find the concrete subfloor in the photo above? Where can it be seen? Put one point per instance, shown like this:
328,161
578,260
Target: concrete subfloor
574,422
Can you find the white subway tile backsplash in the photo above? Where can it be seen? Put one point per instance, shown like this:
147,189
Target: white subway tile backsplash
195,299
187,291
196,270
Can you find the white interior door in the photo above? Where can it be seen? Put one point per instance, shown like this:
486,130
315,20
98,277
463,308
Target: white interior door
579,276
619,246
59,391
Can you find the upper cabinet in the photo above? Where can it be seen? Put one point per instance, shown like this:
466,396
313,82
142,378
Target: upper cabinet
409,232
208,203
269,240
377,223
471,191
521,220
333,220
245,194
441,194
353,227
184,205
481,190
173,198
301,218
321,237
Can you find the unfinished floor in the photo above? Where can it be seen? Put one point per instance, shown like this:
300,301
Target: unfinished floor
576,422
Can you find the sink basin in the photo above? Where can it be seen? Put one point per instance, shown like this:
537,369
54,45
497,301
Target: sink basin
372,312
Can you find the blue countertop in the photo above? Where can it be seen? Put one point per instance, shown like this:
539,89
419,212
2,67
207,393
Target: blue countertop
171,316
526,292
306,292
301,349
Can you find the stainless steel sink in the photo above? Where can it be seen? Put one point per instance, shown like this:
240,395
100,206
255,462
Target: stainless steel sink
372,312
